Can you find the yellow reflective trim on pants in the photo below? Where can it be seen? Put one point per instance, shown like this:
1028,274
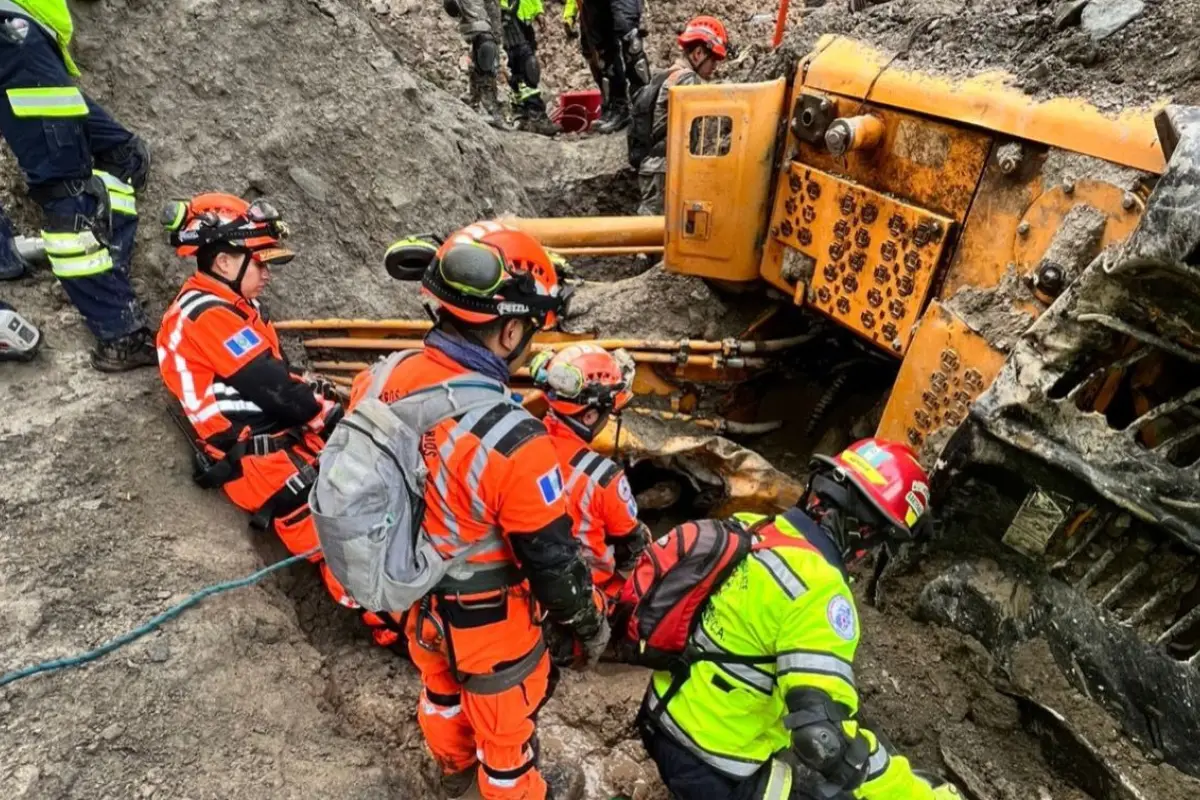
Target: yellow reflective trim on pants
47,101
112,182
70,244
121,196
122,204
779,782
81,266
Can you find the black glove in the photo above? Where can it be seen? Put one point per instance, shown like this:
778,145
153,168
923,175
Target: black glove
591,631
561,644
323,387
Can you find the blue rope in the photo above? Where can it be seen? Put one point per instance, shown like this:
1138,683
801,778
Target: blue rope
139,632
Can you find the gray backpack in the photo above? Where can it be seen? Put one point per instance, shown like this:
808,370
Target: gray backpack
368,501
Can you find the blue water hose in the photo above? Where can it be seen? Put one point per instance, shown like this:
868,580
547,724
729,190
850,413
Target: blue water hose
156,622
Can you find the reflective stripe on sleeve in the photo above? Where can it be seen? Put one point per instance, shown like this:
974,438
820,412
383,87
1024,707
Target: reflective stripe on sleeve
779,782
814,664
47,101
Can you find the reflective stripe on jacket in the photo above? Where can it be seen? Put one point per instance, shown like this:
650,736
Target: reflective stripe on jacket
208,335
492,472
793,603
599,500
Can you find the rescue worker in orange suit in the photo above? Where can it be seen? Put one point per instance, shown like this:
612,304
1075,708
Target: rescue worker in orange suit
258,426
585,385
495,494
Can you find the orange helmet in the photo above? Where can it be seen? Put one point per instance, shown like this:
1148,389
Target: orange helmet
218,218
582,376
489,271
877,483
708,31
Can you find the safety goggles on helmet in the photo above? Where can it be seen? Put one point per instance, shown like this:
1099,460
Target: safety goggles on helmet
583,376
223,219
488,272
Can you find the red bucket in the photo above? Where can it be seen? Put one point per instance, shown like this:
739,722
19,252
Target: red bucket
576,111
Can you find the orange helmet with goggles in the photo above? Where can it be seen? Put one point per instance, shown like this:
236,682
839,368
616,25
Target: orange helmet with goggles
489,271
708,31
216,218
583,376
876,486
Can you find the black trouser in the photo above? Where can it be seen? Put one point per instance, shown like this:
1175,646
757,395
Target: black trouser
524,74
689,778
611,21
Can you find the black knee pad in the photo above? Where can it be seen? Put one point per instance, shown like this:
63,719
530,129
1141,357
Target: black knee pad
485,54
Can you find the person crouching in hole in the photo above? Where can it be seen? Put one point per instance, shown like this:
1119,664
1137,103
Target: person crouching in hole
751,628
584,386
257,425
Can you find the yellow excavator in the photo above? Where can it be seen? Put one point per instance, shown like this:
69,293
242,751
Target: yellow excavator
1033,267
1030,266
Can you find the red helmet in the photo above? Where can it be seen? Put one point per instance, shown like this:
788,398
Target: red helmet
886,474
582,376
489,271
708,31
218,218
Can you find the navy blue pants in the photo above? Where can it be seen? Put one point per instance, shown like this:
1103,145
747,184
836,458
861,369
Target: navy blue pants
689,778
57,156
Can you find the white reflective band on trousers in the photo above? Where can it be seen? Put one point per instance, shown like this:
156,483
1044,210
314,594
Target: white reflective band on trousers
779,782
733,767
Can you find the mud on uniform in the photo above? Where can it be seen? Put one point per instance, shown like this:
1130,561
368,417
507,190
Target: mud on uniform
220,358
495,482
600,501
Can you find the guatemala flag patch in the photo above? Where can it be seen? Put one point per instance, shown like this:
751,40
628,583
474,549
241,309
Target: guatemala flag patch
551,485
242,342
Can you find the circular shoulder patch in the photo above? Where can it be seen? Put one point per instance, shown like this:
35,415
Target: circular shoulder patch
624,490
840,613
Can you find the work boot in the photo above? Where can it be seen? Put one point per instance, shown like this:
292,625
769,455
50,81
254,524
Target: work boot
457,784
536,121
614,119
563,782
129,352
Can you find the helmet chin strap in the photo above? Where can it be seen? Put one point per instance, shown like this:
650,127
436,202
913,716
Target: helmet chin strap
526,337
582,431
235,283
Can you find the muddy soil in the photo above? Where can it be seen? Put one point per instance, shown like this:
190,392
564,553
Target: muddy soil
1151,58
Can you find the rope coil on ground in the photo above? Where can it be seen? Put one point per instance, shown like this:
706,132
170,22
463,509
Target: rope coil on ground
153,624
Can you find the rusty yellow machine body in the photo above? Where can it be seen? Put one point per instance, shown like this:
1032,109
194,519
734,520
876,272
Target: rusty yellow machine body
872,195
1033,268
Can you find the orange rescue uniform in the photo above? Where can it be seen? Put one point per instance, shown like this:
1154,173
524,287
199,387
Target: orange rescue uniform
600,501
493,476
213,340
